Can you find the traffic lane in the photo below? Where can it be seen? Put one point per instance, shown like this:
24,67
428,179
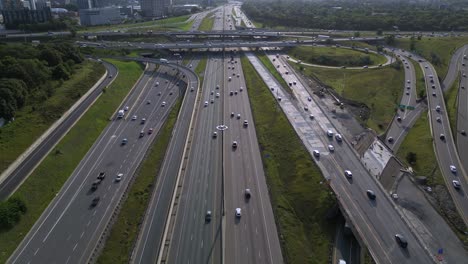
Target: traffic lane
155,219
454,65
53,210
445,152
76,199
17,176
462,113
247,172
398,130
320,132
185,244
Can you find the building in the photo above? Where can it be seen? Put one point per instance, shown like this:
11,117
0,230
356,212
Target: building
155,8
87,4
11,4
13,18
100,16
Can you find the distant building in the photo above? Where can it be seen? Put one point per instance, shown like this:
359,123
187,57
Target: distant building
87,4
100,16
155,8
13,18
11,4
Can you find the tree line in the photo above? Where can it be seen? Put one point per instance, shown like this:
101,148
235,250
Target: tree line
26,73
357,15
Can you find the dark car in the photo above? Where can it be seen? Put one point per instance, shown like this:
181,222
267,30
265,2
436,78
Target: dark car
248,194
370,194
95,185
208,216
95,201
401,240
101,175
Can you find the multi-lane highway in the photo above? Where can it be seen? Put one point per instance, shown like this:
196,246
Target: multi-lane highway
376,222
462,113
404,118
19,172
69,229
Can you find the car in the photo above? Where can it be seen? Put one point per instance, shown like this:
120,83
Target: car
408,81
456,184
150,131
110,76
398,118
338,137
438,119
279,98
217,95
329,133
95,201
437,108
241,89
309,98
407,92
247,193
163,104
453,169
390,139
156,84
206,103
433,94
246,123
401,240
212,100
159,94
238,75
215,134
235,92
118,178
316,153
142,133
370,194
212,92
217,86
95,185
231,93
124,141
170,93
126,108
365,66
294,82
208,216
143,120
148,102
238,116
229,79
463,132
408,87
238,212
234,144
433,86
192,89
331,148
101,175
311,116
134,118
442,136
348,174
232,114
407,67
425,66
306,108
287,72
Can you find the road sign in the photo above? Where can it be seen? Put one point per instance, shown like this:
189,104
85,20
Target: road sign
409,107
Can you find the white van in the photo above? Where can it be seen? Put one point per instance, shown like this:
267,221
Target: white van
120,114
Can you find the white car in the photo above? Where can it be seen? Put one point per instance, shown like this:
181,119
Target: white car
241,89
338,137
246,123
191,89
163,104
134,118
311,116
238,212
453,168
215,134
330,133
126,108
456,184
437,108
156,84
217,95
234,144
206,103
408,81
331,148
119,177
348,173
238,116
316,153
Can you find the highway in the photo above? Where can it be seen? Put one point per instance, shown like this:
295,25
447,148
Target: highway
376,222
151,233
20,173
445,150
404,118
69,229
454,67
462,113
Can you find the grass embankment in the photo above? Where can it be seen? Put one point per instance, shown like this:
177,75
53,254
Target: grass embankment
420,81
48,178
207,22
419,141
451,103
380,89
299,201
124,232
442,47
335,56
271,68
33,120
200,70
172,23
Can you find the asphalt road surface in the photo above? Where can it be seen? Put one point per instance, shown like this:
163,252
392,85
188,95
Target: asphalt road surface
69,229
151,234
376,222
405,118
462,113
17,176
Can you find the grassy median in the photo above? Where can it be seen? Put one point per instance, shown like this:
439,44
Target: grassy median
30,123
420,80
200,70
380,89
451,102
299,201
48,178
207,22
124,232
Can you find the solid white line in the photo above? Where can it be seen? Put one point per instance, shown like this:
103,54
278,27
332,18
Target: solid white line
75,246
82,233
35,252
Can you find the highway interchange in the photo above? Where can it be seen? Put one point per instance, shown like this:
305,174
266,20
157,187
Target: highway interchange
216,174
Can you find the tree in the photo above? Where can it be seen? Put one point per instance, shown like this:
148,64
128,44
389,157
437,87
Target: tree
52,56
411,157
357,34
379,32
60,72
390,39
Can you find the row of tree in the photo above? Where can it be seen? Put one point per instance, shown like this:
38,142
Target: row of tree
26,73
10,212
342,15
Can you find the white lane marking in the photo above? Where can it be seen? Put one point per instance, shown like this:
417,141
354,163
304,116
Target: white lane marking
75,246
201,244
256,231
109,187
191,237
35,252
68,238
82,233
94,213
104,195
89,222
68,259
